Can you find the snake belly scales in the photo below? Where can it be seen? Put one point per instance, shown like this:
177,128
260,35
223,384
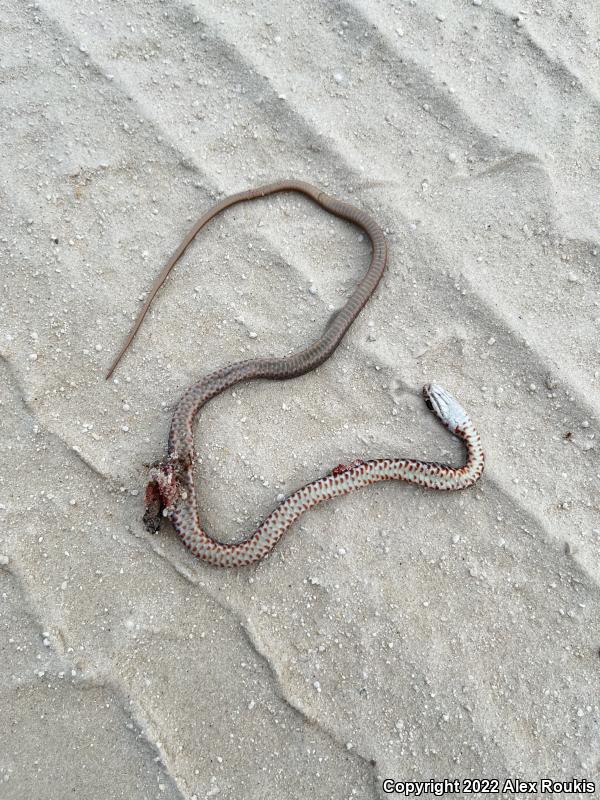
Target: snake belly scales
171,491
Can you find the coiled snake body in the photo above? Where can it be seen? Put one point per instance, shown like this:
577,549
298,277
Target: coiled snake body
171,491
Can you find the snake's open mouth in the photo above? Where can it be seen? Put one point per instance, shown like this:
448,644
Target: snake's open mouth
427,397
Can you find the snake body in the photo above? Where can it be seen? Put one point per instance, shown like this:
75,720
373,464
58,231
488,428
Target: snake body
171,489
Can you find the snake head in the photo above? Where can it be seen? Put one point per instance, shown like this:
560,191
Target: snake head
161,493
445,407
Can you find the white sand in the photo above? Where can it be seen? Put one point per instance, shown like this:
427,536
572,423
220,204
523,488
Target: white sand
392,633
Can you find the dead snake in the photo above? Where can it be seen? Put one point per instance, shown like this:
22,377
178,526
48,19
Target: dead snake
171,490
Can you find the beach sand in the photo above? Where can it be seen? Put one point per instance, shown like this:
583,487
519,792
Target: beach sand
393,633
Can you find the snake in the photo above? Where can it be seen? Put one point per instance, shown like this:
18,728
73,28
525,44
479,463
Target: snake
171,493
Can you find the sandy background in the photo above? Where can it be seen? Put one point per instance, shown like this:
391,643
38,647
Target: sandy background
393,633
